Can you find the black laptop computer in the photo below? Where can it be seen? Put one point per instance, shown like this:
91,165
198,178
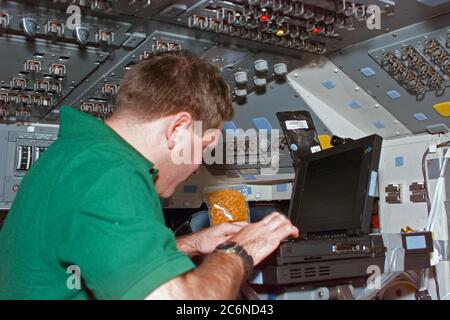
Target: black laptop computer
334,189
331,204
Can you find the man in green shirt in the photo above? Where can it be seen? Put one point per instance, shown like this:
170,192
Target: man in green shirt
90,208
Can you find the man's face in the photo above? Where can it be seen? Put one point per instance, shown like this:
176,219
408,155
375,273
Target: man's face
187,155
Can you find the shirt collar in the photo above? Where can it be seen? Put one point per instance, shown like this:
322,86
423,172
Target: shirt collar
75,122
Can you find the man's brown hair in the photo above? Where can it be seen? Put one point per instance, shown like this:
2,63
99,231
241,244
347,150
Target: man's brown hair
168,83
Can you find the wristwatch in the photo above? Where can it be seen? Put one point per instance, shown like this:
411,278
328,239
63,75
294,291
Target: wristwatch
230,247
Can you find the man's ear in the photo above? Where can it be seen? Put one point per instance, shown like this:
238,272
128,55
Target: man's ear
211,137
181,120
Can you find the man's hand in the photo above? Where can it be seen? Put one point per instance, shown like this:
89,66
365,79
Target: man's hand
220,276
262,238
205,241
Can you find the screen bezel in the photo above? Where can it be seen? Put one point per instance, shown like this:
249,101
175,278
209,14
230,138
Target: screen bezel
362,210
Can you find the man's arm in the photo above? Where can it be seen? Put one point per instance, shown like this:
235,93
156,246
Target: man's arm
221,275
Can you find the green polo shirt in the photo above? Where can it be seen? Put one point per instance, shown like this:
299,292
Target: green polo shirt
88,204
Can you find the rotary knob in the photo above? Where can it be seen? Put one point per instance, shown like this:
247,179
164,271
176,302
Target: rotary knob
241,77
280,69
241,93
261,66
260,82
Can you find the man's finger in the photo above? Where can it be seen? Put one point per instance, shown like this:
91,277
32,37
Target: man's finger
287,230
277,222
230,228
295,233
267,220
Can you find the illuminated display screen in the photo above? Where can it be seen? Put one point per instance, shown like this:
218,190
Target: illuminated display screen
416,242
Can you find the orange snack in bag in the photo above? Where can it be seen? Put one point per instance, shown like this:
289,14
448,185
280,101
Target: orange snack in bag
226,205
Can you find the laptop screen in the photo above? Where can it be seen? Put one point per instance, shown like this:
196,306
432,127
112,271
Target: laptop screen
332,188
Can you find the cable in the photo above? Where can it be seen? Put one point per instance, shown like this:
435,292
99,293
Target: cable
432,208
425,179
424,173
437,194
427,198
436,282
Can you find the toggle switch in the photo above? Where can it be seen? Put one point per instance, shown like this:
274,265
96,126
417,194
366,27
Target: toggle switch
81,34
30,26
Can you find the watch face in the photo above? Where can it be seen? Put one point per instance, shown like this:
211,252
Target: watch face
226,245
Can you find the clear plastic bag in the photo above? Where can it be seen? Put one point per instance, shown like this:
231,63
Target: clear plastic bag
227,204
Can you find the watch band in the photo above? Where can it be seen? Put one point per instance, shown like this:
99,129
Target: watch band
230,247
